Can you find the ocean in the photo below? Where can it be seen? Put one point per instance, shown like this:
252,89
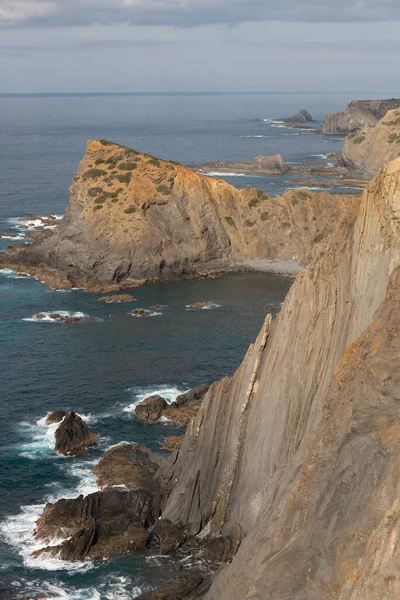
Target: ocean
102,366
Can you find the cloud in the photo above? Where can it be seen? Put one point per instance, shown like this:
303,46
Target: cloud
190,13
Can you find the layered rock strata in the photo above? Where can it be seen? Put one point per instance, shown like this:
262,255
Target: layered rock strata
358,114
134,218
295,458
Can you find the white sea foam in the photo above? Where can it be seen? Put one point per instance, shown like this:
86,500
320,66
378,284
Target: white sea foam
210,307
14,238
140,394
28,224
151,313
325,156
48,319
221,174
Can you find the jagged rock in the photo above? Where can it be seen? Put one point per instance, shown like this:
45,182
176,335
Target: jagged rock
186,405
172,443
296,456
128,465
180,589
151,408
57,416
73,436
200,305
166,537
358,114
366,151
219,549
268,165
140,312
303,116
203,225
117,298
98,526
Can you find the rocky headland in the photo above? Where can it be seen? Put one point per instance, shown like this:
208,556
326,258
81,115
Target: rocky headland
358,114
133,218
266,165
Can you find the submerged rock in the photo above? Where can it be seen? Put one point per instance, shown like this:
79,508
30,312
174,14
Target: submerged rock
129,465
151,409
55,417
117,298
73,436
140,312
200,305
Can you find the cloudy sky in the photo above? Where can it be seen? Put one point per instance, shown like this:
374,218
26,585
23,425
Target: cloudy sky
199,45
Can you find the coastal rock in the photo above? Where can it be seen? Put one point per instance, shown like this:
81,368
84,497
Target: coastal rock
154,220
268,165
200,305
151,408
55,417
174,442
295,457
117,298
129,465
140,312
303,116
358,114
180,589
73,436
367,150
186,406
166,537
97,526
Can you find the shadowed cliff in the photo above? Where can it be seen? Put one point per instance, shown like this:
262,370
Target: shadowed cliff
296,458
132,217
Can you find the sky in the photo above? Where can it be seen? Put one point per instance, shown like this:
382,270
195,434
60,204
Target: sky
82,46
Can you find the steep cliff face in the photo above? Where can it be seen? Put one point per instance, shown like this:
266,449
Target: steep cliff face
133,217
296,458
358,114
367,150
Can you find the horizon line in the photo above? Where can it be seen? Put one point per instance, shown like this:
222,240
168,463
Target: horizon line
180,93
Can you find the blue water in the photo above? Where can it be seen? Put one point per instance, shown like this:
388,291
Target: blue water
103,365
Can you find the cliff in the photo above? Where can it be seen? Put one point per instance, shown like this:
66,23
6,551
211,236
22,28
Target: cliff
133,218
295,459
367,150
358,114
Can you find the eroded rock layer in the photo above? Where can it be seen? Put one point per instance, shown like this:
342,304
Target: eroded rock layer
133,218
358,114
294,461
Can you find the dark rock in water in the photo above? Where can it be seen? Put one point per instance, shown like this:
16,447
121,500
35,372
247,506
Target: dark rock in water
179,589
151,408
303,116
140,312
55,417
73,436
186,405
220,549
99,525
166,536
117,298
173,443
130,465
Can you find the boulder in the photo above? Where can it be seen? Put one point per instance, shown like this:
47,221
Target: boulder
166,537
151,408
58,415
128,465
100,525
73,436
173,443
179,589
140,312
186,405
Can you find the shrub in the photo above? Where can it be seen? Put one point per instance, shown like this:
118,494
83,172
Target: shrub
318,238
294,201
155,162
97,206
249,223
254,202
163,189
131,151
260,193
92,173
127,166
131,209
359,140
94,191
264,216
114,200
99,161
230,221
105,142
125,178
394,138
302,194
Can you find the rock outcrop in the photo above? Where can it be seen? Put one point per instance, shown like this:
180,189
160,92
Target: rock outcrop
295,458
151,409
358,114
367,150
187,405
303,116
134,218
267,165
73,436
